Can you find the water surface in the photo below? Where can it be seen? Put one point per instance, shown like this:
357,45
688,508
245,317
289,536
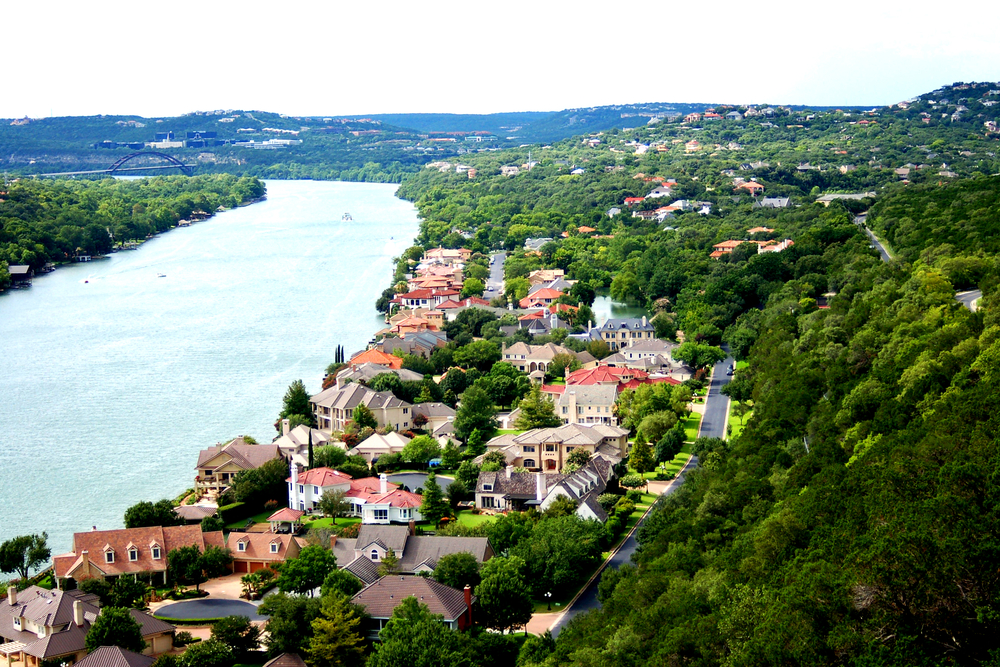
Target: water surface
112,378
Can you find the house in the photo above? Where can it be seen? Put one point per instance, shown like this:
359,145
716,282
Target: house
621,332
255,551
420,344
415,553
294,443
373,499
109,554
530,358
218,465
625,376
773,202
777,247
447,255
547,448
369,371
436,414
196,513
377,357
760,230
377,445
542,276
536,244
381,598
517,491
541,298
39,625
310,485
113,656
334,407
20,274
292,659
586,404
754,187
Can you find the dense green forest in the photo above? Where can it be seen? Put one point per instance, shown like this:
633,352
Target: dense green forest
44,221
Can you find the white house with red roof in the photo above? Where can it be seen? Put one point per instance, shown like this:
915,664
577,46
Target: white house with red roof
374,499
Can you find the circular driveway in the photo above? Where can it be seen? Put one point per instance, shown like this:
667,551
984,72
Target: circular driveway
205,608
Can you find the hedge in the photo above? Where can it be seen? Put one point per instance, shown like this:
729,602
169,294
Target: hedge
237,511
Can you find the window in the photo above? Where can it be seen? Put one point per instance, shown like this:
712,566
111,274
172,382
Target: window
529,463
301,489
133,554
241,546
569,449
315,490
274,547
381,515
528,449
565,410
375,554
404,513
488,502
156,553
17,623
109,556
550,448
487,487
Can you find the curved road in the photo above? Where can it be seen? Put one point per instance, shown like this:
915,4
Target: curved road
713,425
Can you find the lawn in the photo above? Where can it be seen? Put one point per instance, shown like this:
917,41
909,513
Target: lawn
467,518
327,522
737,424
740,365
504,431
691,425
674,466
257,518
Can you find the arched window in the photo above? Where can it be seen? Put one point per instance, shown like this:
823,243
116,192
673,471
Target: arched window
529,463
374,554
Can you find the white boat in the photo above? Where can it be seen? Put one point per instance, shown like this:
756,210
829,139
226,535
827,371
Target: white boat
347,217
161,275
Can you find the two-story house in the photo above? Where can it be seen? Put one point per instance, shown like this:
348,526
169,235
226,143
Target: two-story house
548,448
374,499
218,465
517,491
38,625
379,599
334,407
585,404
622,332
109,554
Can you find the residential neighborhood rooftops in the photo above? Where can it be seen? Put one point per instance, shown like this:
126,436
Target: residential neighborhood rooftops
113,656
381,597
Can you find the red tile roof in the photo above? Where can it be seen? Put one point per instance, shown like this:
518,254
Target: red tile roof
97,543
322,477
374,356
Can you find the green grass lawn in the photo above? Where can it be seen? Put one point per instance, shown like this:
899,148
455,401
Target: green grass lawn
327,522
467,518
504,431
738,424
675,465
740,365
691,425
257,518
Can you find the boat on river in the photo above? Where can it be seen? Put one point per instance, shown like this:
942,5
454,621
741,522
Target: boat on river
347,217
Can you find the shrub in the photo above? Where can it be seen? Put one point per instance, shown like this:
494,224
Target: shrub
183,638
271,504
607,501
634,495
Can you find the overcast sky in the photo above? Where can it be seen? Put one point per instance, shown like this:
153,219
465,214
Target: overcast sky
351,58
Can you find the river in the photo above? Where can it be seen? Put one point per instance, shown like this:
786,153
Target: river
113,378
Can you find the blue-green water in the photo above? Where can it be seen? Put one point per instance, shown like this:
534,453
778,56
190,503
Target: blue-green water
112,379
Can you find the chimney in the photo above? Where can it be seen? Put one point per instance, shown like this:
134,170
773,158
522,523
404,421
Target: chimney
293,474
539,486
284,426
78,613
643,320
509,470
590,325
333,542
413,528
383,483
468,604
12,595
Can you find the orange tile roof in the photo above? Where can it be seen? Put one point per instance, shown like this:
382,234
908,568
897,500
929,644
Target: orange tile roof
322,477
378,357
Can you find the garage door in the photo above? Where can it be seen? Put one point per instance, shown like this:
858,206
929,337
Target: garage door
241,566
257,566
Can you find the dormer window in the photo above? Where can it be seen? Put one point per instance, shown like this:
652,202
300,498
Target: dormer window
17,623
375,554
241,546
274,547
487,487
156,552
109,556
133,554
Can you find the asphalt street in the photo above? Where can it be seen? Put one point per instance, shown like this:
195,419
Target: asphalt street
494,283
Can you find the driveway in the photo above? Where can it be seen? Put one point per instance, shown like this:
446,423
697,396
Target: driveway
205,608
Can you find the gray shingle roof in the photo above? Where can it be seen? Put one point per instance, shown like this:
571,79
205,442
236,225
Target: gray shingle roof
113,656
382,597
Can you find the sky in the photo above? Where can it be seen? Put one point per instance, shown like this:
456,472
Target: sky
341,58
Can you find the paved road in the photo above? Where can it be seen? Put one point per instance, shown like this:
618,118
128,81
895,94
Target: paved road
713,422
588,599
208,608
861,221
970,298
494,283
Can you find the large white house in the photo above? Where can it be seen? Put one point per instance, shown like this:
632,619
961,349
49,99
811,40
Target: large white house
374,499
